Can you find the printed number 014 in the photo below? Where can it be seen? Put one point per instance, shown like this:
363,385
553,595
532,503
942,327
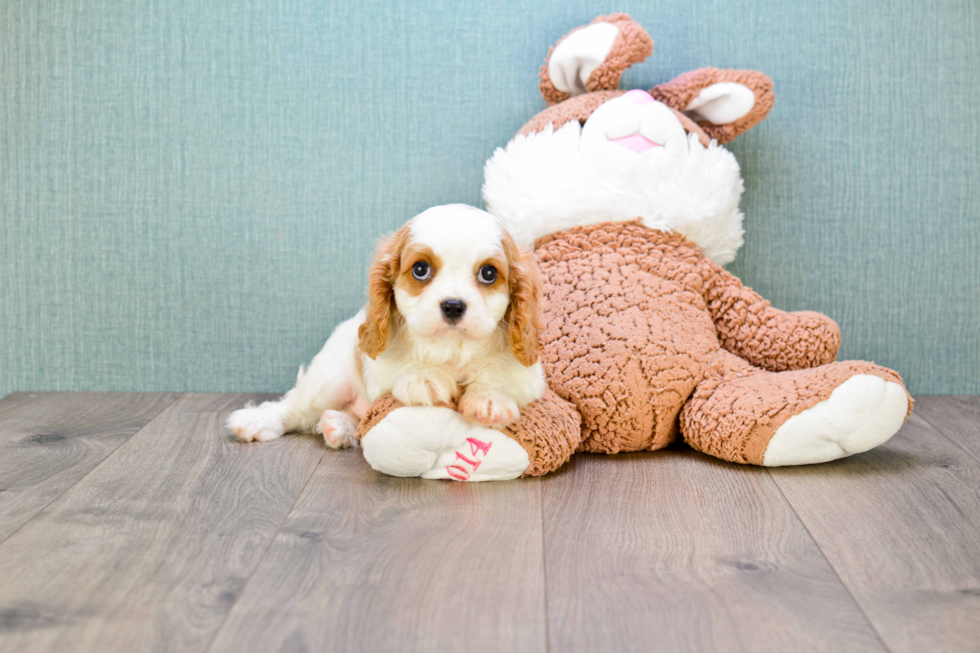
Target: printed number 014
478,450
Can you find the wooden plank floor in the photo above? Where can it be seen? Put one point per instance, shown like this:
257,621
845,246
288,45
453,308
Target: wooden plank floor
133,523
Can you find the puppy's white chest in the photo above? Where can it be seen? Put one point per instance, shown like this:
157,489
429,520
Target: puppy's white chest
462,376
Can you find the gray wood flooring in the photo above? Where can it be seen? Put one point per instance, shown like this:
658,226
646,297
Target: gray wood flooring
131,522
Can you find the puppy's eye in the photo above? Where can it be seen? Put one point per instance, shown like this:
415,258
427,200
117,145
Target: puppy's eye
421,271
487,274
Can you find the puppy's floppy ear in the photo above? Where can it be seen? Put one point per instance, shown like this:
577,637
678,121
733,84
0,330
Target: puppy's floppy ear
524,312
374,333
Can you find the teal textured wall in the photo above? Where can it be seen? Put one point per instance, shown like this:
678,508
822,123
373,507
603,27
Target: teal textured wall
189,191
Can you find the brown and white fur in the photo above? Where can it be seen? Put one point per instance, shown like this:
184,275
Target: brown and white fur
449,335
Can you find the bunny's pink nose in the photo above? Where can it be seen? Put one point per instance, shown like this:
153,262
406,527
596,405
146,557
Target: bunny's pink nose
638,97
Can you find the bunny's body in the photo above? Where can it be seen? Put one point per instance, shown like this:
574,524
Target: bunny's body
632,205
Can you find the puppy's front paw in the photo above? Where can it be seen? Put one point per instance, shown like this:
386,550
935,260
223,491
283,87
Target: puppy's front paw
417,389
489,408
337,429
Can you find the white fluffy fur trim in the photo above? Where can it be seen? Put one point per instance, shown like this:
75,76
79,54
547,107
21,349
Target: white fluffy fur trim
540,184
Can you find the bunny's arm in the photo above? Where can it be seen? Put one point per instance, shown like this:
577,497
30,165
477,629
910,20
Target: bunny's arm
766,337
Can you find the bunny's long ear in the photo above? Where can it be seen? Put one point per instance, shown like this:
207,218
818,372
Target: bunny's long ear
593,57
724,103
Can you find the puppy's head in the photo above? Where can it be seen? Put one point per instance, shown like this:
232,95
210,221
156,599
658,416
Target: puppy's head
453,271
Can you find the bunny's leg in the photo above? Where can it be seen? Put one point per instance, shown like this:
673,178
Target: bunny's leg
747,415
439,443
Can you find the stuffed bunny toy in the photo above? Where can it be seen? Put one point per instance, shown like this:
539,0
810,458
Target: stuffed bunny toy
632,205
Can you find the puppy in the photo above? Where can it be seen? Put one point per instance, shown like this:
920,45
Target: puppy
452,313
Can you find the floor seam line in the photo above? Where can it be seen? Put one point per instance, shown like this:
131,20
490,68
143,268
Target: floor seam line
258,563
949,439
544,574
97,466
823,555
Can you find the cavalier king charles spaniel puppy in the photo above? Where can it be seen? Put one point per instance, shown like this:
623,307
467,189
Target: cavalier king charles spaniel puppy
452,314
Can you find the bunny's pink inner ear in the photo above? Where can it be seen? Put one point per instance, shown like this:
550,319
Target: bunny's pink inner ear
593,58
724,103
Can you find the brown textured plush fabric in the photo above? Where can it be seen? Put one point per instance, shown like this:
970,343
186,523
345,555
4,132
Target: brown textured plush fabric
627,334
632,45
646,340
737,409
680,91
550,431
766,337
633,321
579,108
377,411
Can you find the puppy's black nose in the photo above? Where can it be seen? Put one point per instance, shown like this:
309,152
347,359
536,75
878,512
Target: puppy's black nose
453,309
